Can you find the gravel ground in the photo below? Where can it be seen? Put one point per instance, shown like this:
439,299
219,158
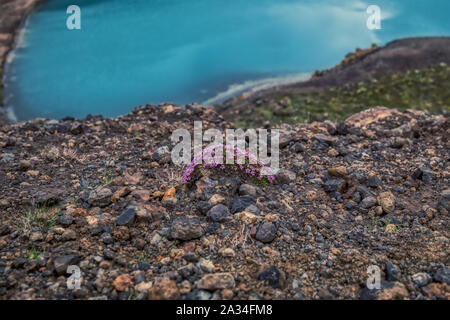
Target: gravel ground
104,195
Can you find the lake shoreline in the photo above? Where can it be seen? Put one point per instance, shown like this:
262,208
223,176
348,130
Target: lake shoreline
13,15
397,57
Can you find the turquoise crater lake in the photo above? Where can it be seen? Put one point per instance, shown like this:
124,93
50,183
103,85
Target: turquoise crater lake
130,53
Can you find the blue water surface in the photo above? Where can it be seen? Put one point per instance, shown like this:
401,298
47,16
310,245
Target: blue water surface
135,52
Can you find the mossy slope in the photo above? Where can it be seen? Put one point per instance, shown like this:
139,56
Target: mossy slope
426,89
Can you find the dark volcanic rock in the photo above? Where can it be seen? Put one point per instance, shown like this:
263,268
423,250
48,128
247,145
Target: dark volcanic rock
417,175
285,177
18,263
443,275
266,232
421,279
203,207
247,190
186,229
365,192
444,200
242,202
65,220
76,128
271,276
325,139
368,202
4,230
48,196
393,272
127,217
298,147
205,186
107,238
100,197
374,182
428,175
219,213
61,263
335,185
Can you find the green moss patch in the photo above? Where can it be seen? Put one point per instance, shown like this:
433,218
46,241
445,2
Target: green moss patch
426,89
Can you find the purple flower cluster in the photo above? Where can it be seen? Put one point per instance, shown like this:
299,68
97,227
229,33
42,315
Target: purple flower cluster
216,155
